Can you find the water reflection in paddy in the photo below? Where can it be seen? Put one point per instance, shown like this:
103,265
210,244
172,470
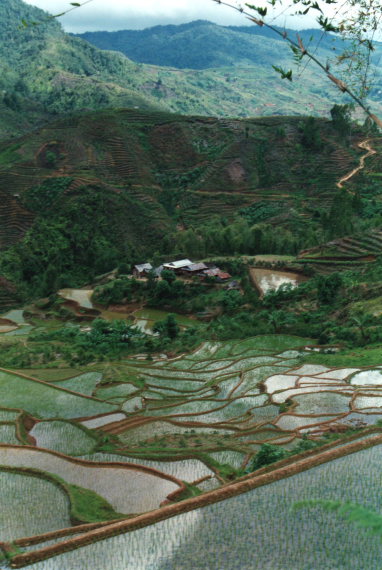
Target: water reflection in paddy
80,296
269,279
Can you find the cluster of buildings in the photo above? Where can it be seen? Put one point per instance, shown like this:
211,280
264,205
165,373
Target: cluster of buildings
184,268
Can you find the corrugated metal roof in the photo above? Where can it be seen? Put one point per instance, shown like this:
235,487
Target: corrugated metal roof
178,264
143,267
196,267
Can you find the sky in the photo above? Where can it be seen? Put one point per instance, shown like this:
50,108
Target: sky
138,14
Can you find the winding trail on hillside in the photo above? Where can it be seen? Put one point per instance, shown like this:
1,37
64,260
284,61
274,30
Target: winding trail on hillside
365,144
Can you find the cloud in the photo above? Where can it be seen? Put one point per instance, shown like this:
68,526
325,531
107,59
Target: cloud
126,14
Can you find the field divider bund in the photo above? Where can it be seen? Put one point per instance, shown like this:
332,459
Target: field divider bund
93,464
31,540
52,385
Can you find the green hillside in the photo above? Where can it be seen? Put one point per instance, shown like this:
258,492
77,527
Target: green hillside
230,50
84,194
203,45
47,73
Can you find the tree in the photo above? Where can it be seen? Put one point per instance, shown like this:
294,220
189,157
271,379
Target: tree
355,24
311,134
168,327
231,301
341,118
328,289
168,276
279,319
266,455
362,321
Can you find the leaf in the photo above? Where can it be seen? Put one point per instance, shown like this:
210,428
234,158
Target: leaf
285,74
315,6
302,48
77,4
326,25
258,9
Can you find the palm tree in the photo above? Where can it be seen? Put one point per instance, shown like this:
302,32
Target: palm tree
362,321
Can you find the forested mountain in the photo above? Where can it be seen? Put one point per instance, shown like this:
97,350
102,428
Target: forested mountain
203,45
46,72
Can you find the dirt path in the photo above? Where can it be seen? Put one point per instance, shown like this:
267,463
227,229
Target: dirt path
370,151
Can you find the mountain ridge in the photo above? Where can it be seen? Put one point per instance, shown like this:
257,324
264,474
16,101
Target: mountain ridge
47,73
202,44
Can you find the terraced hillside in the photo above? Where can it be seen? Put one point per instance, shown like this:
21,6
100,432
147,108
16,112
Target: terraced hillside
151,164
359,248
189,429
349,252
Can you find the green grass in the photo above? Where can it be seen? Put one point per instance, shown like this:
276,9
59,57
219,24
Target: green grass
49,374
365,356
46,401
88,507
9,154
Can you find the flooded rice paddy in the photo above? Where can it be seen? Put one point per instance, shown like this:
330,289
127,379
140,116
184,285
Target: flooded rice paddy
270,279
184,417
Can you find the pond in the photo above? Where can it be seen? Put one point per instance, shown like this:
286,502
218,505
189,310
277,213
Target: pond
156,315
14,323
80,296
15,315
269,279
145,319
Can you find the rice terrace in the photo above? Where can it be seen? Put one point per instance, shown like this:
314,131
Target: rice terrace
187,428
190,290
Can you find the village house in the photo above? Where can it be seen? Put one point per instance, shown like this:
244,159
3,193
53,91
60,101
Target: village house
217,273
194,269
183,267
177,266
142,270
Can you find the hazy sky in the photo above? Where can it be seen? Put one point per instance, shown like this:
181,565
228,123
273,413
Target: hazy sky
138,14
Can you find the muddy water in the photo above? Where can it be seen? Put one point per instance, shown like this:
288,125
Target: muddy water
13,323
269,279
146,318
15,315
80,296
156,315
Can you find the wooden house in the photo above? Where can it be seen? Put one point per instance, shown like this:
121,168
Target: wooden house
142,270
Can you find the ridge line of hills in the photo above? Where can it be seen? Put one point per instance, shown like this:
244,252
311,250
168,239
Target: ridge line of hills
47,73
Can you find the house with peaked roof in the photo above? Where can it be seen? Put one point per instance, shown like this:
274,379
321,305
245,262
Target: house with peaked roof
217,273
177,266
142,270
194,268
